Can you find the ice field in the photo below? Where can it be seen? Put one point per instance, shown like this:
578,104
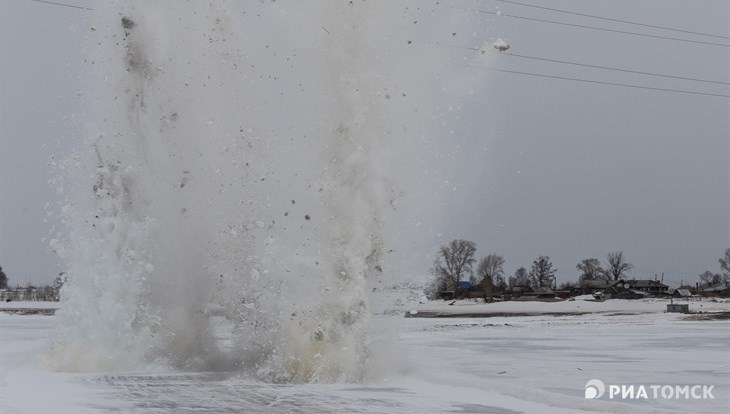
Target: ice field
249,181
504,364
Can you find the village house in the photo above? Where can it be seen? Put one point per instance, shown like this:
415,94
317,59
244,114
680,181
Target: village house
652,287
590,287
621,289
721,290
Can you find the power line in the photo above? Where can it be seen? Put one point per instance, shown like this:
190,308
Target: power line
596,28
593,66
616,69
613,20
62,4
626,85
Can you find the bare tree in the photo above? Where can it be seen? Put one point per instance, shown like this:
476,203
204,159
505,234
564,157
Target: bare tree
454,262
519,278
708,279
491,272
617,266
590,269
3,279
542,273
725,264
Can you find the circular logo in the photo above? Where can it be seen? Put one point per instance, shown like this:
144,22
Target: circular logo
594,389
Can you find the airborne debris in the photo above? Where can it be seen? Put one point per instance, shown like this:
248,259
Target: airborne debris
128,23
500,45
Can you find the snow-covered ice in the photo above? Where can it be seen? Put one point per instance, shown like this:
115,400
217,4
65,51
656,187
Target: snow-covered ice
29,305
502,364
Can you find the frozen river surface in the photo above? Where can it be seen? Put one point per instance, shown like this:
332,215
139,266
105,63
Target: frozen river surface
500,365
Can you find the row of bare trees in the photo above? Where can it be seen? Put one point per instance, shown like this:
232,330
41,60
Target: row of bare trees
616,267
455,262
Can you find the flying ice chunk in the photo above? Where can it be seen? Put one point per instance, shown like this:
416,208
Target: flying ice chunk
500,44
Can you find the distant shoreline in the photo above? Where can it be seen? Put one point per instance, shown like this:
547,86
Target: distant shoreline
29,311
30,307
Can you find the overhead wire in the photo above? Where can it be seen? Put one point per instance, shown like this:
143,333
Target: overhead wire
582,26
61,4
616,69
593,16
573,63
626,85
566,62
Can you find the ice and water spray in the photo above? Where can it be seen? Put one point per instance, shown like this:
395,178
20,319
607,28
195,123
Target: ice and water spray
244,160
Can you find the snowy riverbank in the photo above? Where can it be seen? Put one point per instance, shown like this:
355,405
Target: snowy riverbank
29,307
582,305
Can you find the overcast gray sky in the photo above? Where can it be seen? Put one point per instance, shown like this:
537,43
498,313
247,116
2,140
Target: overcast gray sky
543,166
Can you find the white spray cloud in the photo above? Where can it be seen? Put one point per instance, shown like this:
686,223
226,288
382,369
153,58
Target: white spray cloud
250,155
